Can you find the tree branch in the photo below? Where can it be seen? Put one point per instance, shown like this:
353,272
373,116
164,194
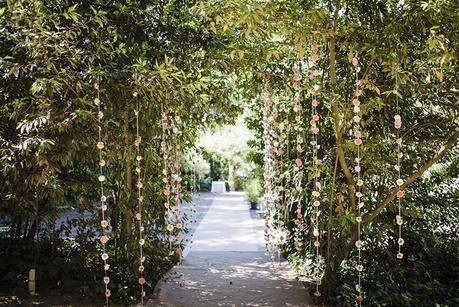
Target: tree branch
335,109
372,215
440,154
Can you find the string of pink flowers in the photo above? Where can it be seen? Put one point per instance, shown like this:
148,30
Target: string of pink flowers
139,185
400,192
268,173
314,122
177,180
357,168
165,150
170,148
298,167
103,199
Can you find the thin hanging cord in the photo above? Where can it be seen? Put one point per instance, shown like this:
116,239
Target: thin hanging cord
316,162
141,241
269,172
165,150
103,199
360,204
297,78
400,193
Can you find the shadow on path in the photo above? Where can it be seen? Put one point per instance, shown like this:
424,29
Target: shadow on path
227,265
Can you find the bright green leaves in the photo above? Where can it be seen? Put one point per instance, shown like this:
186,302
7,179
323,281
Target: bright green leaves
72,14
37,86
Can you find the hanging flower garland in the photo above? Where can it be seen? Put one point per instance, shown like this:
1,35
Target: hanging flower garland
139,186
171,177
314,122
357,168
275,129
298,166
282,177
268,173
165,150
400,192
103,199
194,187
177,182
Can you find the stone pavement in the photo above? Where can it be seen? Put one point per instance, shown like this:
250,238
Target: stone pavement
227,265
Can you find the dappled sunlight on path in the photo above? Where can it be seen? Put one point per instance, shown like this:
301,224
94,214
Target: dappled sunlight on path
228,226
227,265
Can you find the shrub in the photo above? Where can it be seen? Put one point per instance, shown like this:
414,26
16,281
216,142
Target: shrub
253,190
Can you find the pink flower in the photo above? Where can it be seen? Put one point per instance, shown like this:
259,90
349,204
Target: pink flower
356,109
296,68
314,103
357,168
276,124
298,162
312,122
356,102
357,134
315,73
355,62
316,117
315,57
356,119
397,118
270,148
314,46
141,281
104,239
275,115
400,194
358,141
315,130
138,216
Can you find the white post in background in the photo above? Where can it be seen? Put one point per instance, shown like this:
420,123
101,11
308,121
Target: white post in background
32,282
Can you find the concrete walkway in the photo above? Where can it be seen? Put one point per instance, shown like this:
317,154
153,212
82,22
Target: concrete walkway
227,266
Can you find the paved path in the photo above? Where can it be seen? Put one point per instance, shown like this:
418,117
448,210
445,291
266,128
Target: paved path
227,265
